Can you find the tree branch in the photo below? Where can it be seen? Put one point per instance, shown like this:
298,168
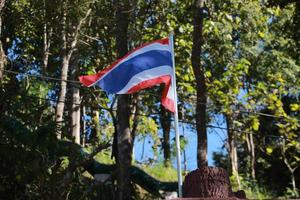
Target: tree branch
77,31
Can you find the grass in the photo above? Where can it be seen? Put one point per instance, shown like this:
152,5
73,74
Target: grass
160,172
103,157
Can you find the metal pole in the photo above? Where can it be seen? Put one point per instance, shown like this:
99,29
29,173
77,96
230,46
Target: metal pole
83,126
171,41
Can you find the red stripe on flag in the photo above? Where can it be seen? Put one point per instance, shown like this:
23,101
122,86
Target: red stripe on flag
168,103
89,80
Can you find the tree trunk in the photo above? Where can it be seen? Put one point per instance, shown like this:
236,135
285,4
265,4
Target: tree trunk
232,150
293,182
296,31
75,110
2,54
135,111
288,165
75,119
47,33
250,143
67,52
200,84
252,153
184,162
251,150
124,139
165,121
64,74
96,131
292,171
124,156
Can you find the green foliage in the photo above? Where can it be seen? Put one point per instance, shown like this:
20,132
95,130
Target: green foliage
104,157
253,189
35,164
161,172
251,60
291,193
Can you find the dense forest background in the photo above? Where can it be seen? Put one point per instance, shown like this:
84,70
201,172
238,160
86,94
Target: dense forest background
237,61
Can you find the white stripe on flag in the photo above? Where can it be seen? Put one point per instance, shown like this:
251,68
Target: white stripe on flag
147,75
150,47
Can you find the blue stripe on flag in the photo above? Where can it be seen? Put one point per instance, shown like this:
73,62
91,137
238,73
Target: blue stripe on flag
125,71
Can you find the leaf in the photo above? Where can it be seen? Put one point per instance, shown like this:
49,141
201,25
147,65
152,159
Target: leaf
228,37
294,107
229,17
49,170
269,150
297,158
208,74
261,34
65,162
181,30
255,124
18,178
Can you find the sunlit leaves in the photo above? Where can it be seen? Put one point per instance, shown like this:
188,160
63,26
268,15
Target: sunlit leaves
64,162
295,107
269,150
147,126
255,124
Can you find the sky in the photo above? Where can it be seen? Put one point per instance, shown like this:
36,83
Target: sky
215,138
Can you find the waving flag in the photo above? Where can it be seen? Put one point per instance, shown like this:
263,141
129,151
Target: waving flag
146,66
143,67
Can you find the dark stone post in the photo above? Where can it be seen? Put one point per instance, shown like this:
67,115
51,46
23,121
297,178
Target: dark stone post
210,182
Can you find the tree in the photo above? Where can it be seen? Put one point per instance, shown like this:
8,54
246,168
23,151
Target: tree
75,109
124,141
69,45
200,83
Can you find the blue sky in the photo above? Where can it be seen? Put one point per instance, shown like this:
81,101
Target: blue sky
215,143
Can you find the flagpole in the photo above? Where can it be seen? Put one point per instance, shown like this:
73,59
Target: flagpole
171,39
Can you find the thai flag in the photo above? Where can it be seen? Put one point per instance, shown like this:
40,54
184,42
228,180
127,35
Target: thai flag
143,67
